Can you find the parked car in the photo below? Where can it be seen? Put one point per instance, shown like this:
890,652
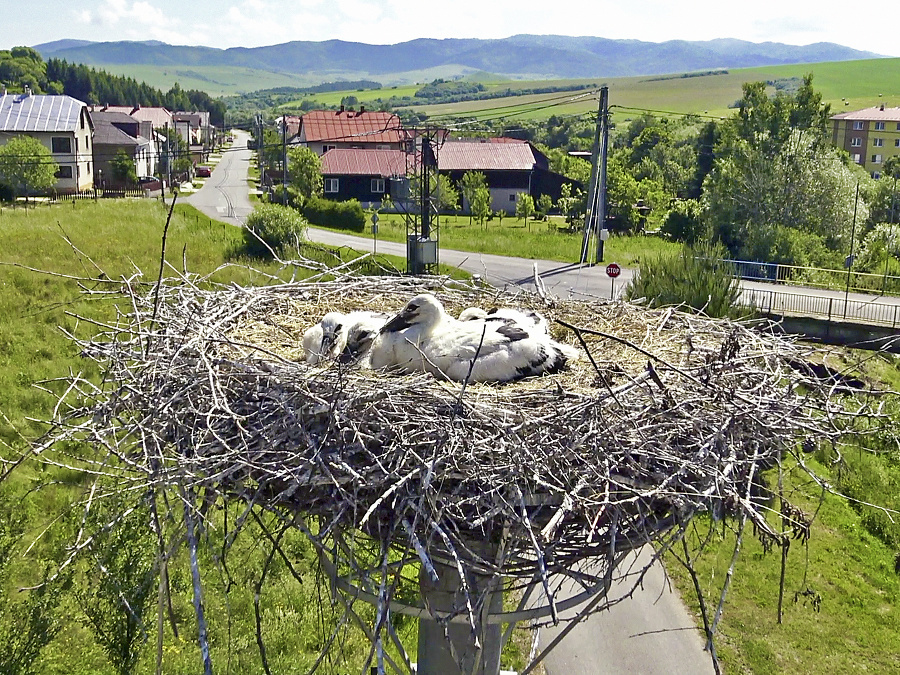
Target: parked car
150,183
203,172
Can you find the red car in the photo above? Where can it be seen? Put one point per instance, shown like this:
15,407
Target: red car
203,172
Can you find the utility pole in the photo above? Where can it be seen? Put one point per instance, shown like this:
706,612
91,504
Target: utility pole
598,167
169,155
284,166
601,190
429,161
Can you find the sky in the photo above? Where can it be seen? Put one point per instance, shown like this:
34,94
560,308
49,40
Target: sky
256,23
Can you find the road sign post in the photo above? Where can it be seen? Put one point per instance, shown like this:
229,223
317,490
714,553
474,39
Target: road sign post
374,233
612,271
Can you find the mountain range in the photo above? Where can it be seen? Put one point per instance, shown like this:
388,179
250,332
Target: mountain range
516,57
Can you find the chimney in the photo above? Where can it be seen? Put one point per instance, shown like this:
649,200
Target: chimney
362,108
881,107
27,90
342,108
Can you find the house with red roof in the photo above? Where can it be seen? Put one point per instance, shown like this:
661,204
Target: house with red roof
363,174
324,130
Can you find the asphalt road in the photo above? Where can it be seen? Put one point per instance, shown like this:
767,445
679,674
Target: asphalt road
225,195
650,633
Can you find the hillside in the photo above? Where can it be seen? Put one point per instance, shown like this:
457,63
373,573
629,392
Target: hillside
516,57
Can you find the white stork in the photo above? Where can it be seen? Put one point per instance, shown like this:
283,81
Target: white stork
423,337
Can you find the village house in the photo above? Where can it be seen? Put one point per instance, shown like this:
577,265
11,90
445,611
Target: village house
62,124
364,175
324,130
115,132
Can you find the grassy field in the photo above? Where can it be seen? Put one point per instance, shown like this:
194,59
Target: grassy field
537,240
846,85
853,630
101,243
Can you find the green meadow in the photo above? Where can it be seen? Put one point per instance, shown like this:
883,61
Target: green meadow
845,85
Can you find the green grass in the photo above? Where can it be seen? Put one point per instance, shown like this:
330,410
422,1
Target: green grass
538,240
850,570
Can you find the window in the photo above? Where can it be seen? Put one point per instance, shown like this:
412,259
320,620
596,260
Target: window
512,198
878,142
382,146
879,126
326,148
857,158
897,142
855,142
331,185
64,172
876,159
378,185
876,175
60,144
858,125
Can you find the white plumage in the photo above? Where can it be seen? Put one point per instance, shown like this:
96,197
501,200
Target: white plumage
423,337
330,337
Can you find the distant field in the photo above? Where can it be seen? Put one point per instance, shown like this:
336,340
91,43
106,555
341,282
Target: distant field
846,85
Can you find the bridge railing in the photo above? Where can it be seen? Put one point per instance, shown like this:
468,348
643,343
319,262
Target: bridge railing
816,277
832,308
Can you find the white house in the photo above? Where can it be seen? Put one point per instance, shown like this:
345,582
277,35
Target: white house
62,124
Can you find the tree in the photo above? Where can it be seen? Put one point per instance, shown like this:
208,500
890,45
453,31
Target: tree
470,184
26,166
121,589
446,195
544,204
304,172
480,206
524,206
752,198
684,223
122,167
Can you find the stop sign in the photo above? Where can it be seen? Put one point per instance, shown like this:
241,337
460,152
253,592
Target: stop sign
613,270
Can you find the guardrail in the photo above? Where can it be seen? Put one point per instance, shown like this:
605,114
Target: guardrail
832,308
816,277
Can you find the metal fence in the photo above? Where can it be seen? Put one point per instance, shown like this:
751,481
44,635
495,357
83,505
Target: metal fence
833,308
816,277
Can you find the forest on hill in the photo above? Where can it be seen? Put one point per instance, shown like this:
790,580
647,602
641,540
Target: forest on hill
22,67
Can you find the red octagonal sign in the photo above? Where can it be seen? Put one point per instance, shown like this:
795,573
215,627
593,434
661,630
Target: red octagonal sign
613,270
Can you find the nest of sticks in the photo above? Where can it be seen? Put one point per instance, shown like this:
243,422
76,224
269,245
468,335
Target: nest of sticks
666,415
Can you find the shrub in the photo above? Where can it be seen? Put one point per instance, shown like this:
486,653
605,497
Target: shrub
278,227
684,223
696,278
347,215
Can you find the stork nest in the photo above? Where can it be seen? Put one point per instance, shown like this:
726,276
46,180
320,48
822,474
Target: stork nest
666,414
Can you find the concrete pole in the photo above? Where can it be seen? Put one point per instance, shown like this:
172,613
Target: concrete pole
434,654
